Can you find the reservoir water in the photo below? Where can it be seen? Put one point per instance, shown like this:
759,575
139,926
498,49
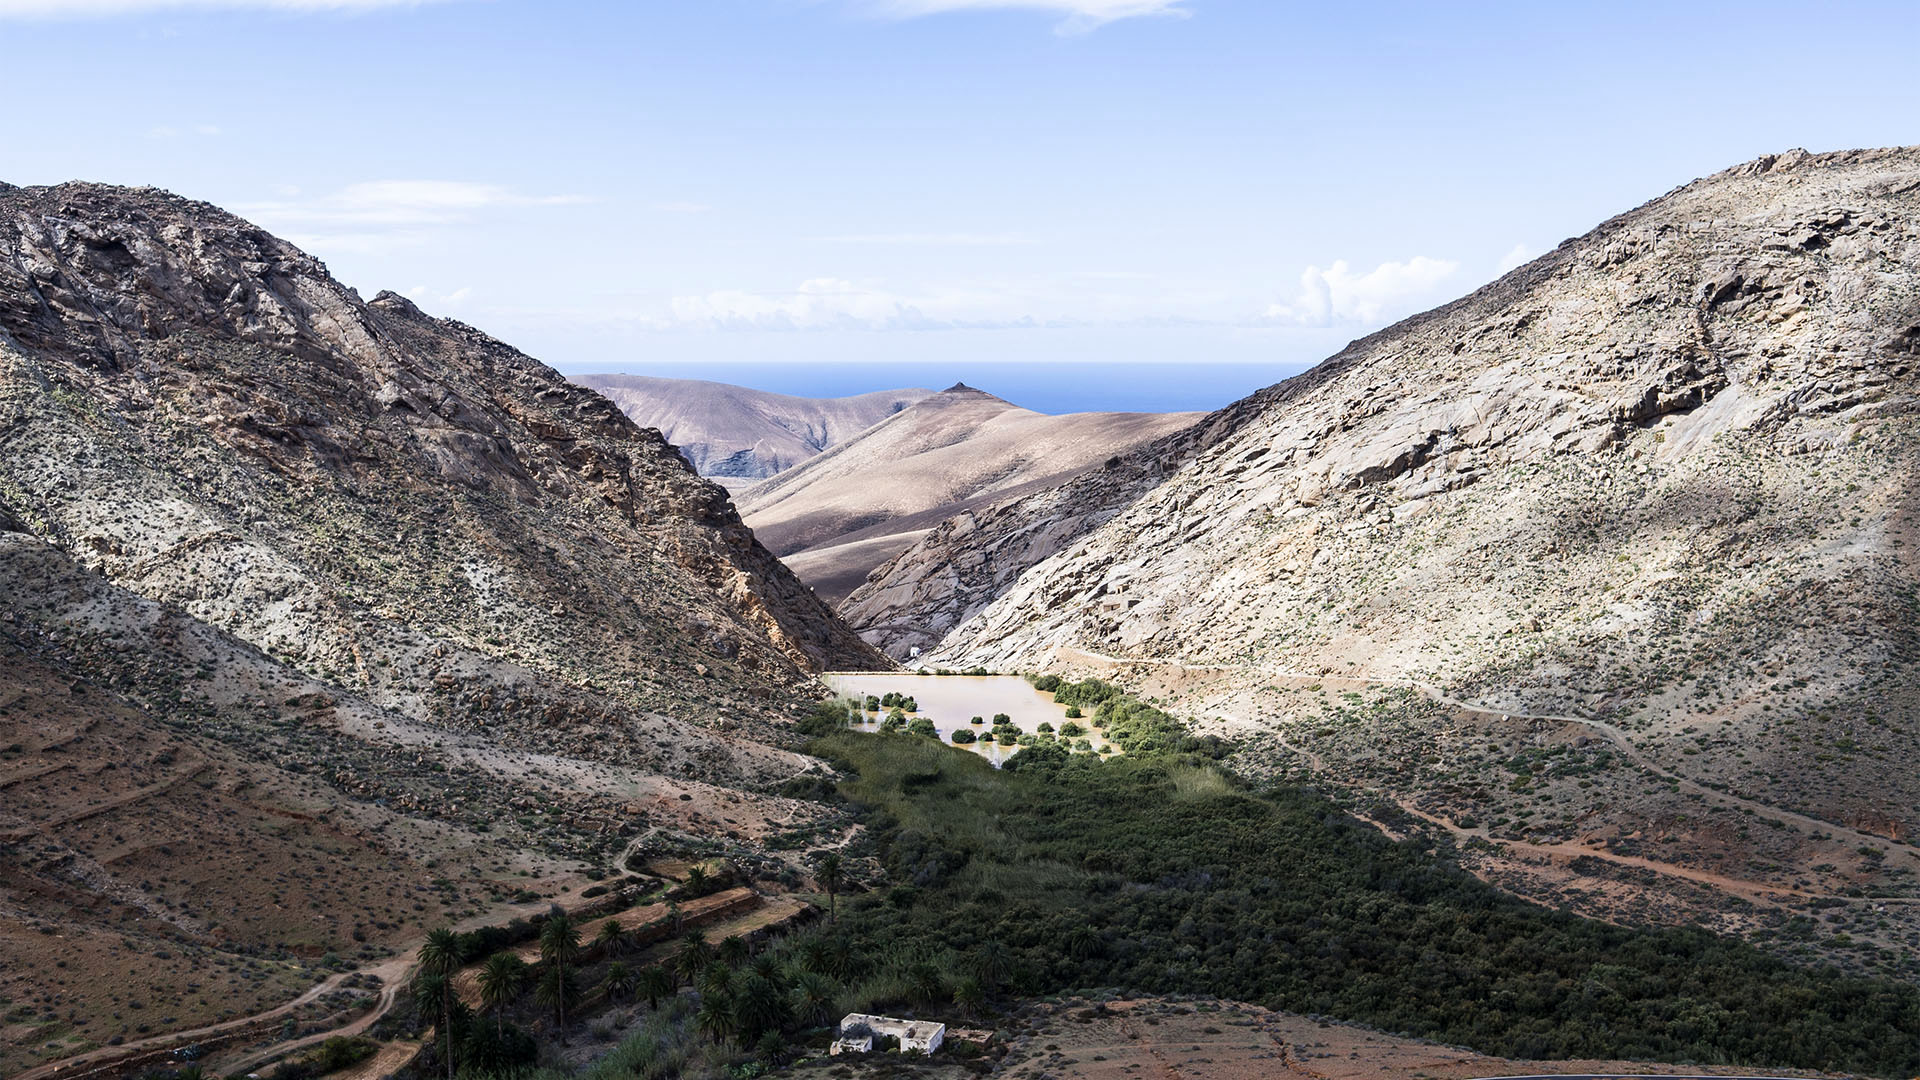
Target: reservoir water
951,701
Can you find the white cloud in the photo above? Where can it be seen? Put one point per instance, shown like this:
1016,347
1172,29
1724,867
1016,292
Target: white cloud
93,9
929,239
1338,295
1521,255
398,203
382,216
434,300
818,304
1078,16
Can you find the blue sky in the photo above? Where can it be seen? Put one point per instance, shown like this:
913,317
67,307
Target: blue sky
626,186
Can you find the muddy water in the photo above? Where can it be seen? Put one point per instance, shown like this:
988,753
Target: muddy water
951,700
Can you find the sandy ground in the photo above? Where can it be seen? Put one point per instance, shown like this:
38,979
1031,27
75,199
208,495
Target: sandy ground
1161,1039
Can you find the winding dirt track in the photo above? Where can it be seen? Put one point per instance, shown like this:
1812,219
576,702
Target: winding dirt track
105,1057
393,973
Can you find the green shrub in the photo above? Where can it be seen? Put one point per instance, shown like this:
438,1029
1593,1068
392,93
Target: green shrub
827,717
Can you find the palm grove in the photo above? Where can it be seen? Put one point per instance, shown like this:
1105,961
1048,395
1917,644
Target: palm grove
1155,872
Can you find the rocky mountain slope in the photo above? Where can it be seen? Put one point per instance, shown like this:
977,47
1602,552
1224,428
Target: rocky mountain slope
852,508
737,435
1613,557
286,577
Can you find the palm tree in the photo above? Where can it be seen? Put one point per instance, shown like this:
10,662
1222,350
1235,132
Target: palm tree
501,978
813,997
715,1019
559,945
840,959
992,963
696,878
426,993
440,958
924,984
612,939
813,955
717,979
733,950
620,979
693,957
656,985
759,1006
969,996
830,881
554,991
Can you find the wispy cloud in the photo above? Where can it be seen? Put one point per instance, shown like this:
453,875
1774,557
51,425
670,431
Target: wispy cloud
1521,255
1077,16
402,202
380,216
436,300
1339,295
929,239
94,9
818,304
1335,298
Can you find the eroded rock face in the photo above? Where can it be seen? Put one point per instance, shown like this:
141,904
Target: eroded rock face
199,413
1665,472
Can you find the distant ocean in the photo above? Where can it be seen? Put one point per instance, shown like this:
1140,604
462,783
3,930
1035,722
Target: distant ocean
1047,388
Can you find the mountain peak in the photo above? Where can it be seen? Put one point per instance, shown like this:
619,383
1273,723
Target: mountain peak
963,391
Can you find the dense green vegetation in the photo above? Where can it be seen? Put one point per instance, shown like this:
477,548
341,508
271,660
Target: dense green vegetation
1131,724
1157,873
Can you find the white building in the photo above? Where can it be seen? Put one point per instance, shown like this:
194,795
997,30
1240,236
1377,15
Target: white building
858,1032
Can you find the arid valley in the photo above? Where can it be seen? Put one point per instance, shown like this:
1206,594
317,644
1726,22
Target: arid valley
1517,675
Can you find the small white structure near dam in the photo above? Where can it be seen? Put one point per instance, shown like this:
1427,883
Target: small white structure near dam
858,1031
